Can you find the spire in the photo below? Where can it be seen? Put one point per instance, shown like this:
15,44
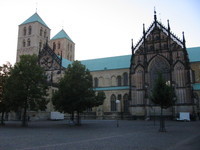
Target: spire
143,28
183,39
155,17
168,25
132,46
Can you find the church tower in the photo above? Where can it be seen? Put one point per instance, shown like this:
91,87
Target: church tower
63,45
32,35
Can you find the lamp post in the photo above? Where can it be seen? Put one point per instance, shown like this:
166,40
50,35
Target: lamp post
117,102
145,101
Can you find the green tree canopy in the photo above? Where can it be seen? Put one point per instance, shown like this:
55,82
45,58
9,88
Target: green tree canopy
26,87
162,93
75,91
4,104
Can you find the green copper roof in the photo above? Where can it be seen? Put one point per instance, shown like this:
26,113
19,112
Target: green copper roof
35,18
123,62
194,54
109,63
111,88
61,35
196,86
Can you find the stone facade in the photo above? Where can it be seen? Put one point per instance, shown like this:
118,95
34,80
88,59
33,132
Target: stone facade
128,80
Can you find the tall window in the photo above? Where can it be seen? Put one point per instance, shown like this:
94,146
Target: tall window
29,30
96,82
125,77
113,103
24,31
58,45
126,103
41,30
45,33
54,45
40,45
28,42
119,81
24,43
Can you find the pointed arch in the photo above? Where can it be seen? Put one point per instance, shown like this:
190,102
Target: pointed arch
157,65
113,106
41,30
113,80
96,82
125,78
30,30
180,74
119,81
126,103
24,31
139,77
24,43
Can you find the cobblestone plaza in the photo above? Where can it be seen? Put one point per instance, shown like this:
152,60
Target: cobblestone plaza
100,135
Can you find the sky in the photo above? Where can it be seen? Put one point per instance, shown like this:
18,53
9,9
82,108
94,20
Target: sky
99,28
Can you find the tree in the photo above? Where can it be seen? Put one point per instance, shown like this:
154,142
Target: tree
75,92
4,105
163,95
26,87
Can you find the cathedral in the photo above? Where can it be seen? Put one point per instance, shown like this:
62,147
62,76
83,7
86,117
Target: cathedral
127,78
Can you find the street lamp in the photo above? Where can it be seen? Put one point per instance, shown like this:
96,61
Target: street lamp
117,102
145,100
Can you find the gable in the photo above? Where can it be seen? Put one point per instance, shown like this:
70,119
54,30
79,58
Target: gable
49,60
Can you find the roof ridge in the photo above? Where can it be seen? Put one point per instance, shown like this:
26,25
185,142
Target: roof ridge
34,18
106,57
60,35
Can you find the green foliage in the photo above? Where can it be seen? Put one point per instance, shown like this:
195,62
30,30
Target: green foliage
162,93
4,103
26,87
75,91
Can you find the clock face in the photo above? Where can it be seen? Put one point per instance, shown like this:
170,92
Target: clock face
46,61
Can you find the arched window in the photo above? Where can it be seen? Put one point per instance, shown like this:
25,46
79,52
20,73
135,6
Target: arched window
126,103
45,33
40,45
58,45
125,77
113,103
28,42
54,45
68,47
24,43
96,82
29,30
24,31
41,30
119,81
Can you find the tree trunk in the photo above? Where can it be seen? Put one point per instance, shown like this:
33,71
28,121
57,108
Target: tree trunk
78,118
162,122
24,119
2,118
72,117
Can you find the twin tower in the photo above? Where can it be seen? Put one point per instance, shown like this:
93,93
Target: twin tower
34,33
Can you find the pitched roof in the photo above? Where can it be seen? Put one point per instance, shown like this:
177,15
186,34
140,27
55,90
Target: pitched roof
61,35
35,18
108,63
123,62
194,53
